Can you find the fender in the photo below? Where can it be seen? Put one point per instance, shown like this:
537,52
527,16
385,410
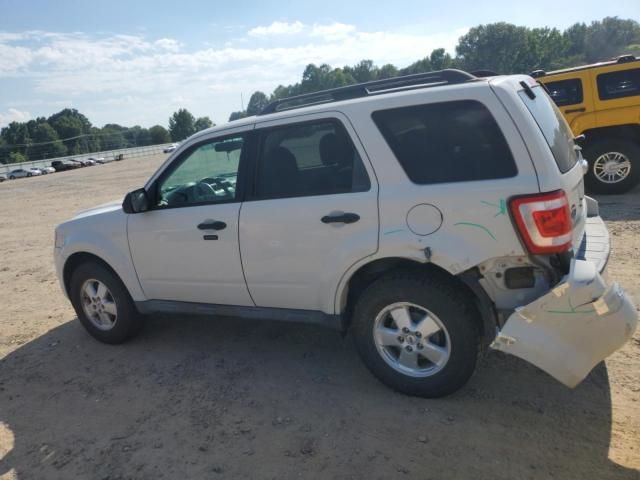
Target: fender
107,240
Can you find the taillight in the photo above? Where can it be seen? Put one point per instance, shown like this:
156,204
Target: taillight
544,221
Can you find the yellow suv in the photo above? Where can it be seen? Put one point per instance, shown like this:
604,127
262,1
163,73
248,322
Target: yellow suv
602,101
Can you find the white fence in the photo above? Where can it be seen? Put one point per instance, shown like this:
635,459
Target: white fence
127,153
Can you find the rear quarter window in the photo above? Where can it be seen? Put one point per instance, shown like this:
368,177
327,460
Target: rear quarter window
456,141
624,83
554,128
565,92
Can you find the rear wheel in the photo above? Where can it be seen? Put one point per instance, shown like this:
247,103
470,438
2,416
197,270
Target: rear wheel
613,166
28,174
417,334
103,304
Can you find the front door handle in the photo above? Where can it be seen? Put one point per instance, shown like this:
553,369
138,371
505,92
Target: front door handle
341,218
212,225
575,110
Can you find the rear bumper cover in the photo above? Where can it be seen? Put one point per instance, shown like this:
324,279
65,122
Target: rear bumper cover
578,323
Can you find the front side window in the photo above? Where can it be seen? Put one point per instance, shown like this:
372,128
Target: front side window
306,159
207,173
455,141
624,83
565,92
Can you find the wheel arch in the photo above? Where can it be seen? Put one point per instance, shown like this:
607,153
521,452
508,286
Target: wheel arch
79,258
630,132
467,281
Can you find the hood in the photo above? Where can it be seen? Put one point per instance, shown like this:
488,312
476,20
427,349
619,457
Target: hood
104,208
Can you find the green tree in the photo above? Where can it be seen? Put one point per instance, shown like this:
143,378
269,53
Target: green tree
257,102
237,115
46,142
159,135
74,129
17,157
203,123
181,125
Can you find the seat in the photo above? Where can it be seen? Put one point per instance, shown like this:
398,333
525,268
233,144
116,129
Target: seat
336,154
279,174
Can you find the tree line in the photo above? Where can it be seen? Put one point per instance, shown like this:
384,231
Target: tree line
500,47
69,132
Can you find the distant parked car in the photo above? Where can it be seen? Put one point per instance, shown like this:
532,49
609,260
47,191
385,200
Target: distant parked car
46,170
61,166
3,177
88,162
100,160
171,148
21,173
81,163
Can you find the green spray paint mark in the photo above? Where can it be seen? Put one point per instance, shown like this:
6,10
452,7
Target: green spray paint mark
572,310
481,227
394,231
502,207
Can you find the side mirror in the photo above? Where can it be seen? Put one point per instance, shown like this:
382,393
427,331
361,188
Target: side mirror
136,201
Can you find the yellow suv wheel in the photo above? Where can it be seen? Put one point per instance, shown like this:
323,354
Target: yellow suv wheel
613,166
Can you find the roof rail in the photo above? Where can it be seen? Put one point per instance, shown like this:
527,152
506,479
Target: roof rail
406,82
484,73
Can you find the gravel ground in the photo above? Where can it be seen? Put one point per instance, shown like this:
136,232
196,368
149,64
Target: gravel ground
224,398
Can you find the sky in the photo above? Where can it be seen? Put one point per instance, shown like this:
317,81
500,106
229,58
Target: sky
134,62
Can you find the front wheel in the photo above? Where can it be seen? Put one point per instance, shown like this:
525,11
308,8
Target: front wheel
417,333
613,166
103,304
12,177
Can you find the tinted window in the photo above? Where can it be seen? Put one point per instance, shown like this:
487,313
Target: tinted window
553,126
447,142
206,173
314,158
625,83
565,92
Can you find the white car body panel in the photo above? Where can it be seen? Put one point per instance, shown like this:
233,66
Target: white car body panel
192,269
293,260
101,231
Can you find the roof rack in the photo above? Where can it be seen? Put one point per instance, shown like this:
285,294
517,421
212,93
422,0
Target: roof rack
407,82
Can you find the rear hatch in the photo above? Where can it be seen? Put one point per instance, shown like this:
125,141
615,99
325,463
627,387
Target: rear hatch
565,152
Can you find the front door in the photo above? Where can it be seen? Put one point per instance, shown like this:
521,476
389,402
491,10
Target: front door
186,247
313,213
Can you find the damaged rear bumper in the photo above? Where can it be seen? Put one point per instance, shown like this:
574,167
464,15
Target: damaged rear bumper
576,325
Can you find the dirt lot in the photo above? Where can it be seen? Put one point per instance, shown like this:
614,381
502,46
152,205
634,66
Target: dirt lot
200,398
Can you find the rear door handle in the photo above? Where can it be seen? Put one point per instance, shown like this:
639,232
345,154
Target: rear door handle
575,110
212,225
341,218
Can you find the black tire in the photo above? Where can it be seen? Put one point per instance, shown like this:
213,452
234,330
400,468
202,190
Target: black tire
28,174
12,177
438,294
629,149
128,321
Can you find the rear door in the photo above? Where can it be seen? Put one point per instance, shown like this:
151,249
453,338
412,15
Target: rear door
311,214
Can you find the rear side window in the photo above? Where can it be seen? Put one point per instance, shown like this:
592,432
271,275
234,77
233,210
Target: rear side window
554,127
456,141
307,159
565,92
625,83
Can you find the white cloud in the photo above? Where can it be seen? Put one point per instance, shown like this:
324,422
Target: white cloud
96,72
13,115
277,28
332,31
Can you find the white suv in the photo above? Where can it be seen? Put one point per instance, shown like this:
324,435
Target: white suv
431,215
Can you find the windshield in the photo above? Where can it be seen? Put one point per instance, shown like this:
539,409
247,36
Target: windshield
554,127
